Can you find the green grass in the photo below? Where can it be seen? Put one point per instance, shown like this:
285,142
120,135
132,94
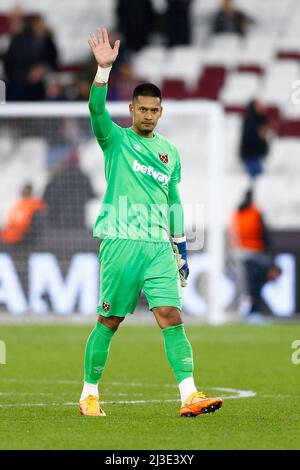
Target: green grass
256,358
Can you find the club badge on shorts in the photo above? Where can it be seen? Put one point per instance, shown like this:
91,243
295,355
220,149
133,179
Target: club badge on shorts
106,306
163,157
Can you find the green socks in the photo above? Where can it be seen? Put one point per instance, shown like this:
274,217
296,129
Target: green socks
179,352
96,353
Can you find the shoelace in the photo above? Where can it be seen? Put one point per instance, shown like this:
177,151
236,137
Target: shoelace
195,395
93,403
200,395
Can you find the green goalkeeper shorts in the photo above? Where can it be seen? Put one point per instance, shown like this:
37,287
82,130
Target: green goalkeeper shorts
129,266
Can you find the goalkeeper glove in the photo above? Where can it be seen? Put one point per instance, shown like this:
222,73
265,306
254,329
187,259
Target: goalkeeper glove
179,248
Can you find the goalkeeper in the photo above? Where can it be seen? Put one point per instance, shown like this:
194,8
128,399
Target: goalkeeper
141,206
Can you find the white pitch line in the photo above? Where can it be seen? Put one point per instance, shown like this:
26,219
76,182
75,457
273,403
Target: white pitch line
76,382
119,384
239,394
26,394
50,394
42,381
236,393
134,401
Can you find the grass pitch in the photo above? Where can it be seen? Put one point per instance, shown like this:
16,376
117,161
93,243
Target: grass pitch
41,383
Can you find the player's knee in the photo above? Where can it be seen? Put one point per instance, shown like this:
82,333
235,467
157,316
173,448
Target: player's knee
111,322
167,312
167,316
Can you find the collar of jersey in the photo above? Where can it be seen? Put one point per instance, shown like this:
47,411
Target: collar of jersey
144,139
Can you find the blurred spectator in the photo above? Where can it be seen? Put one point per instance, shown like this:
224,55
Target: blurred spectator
178,22
43,42
228,19
55,91
249,241
23,221
135,21
254,145
16,20
260,272
248,230
123,84
84,79
66,195
31,53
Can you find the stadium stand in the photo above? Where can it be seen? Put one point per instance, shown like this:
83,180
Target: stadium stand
227,68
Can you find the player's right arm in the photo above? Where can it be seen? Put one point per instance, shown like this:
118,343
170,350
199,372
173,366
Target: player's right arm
105,56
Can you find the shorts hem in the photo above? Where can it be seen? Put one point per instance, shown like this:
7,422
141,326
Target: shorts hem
112,314
147,240
165,303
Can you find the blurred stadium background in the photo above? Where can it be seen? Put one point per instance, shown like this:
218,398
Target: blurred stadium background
47,142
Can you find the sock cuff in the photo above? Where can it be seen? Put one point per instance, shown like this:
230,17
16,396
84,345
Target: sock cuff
105,330
173,329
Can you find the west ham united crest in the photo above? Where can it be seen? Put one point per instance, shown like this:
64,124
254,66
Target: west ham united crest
106,306
163,157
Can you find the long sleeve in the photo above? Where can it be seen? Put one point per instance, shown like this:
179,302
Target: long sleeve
176,214
100,118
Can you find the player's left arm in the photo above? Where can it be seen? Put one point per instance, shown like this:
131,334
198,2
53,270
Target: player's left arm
178,239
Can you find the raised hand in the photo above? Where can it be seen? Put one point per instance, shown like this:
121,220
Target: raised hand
104,54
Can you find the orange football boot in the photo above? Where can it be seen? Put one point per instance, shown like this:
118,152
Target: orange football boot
90,406
198,403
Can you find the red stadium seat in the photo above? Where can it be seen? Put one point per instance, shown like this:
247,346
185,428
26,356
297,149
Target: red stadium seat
174,89
251,68
4,25
289,128
210,83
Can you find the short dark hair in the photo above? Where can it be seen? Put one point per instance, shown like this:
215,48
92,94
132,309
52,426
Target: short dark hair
146,89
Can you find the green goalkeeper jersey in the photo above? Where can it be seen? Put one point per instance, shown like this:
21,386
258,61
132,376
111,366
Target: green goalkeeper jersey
139,172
